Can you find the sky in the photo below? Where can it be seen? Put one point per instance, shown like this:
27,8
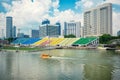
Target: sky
28,14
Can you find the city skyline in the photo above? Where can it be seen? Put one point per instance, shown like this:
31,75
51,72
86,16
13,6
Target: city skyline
28,14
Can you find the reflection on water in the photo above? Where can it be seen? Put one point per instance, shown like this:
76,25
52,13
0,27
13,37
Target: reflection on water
64,65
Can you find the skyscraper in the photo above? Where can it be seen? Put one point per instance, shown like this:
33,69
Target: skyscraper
59,27
14,32
35,33
49,30
46,29
9,25
98,21
72,27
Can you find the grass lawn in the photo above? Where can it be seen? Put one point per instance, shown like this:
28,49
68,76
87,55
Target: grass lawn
22,48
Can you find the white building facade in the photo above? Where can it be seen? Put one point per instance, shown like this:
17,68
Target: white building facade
72,27
98,21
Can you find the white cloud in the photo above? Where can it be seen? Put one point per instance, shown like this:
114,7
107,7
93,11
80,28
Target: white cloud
26,13
55,5
84,4
7,6
113,1
88,4
67,15
77,4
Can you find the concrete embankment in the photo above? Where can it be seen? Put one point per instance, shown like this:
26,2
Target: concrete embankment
79,47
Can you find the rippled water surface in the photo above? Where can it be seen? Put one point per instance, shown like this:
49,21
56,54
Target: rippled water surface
65,64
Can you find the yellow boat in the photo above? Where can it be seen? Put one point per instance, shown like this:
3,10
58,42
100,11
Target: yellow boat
45,56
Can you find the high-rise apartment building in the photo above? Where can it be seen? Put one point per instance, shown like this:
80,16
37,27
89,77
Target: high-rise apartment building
72,27
98,21
9,25
59,27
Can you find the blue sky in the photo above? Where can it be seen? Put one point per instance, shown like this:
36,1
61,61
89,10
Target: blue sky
65,4
28,14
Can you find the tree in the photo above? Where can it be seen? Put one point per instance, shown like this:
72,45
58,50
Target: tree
105,38
70,36
10,39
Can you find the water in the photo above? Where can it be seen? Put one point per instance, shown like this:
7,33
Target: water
65,64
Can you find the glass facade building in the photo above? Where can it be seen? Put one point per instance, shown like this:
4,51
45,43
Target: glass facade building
9,24
59,28
14,32
49,30
35,33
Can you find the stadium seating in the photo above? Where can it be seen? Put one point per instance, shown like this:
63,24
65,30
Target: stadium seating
56,41
31,41
84,41
39,42
20,41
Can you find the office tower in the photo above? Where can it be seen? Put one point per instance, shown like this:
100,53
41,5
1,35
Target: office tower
46,29
49,30
59,27
9,25
98,21
35,33
14,32
72,27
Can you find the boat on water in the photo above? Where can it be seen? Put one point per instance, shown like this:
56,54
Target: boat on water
45,56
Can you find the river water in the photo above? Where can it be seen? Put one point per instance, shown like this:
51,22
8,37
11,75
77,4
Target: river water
66,64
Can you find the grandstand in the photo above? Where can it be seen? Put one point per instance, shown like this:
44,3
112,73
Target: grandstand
25,41
68,41
40,42
31,41
48,41
20,41
86,41
57,41
71,41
